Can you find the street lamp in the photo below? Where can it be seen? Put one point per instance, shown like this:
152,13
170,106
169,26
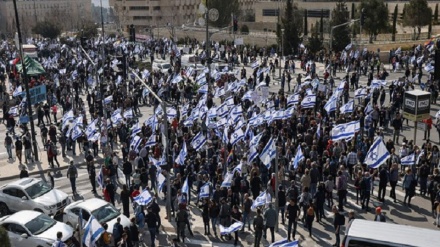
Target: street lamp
282,49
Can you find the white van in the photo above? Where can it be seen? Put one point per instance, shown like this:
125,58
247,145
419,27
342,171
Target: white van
361,233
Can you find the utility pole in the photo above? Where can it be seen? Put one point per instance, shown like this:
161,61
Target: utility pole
26,85
208,47
276,186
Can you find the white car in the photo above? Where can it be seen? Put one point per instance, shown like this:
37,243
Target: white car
31,228
103,211
162,67
31,194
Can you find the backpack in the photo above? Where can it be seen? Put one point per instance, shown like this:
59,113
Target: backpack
116,233
106,238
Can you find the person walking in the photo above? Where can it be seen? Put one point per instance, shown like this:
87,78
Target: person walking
341,185
91,170
125,200
394,178
281,203
110,189
181,217
59,242
19,149
397,125
72,175
292,214
258,227
235,217
384,177
338,222
366,185
309,218
152,223
8,146
270,217
408,184
205,215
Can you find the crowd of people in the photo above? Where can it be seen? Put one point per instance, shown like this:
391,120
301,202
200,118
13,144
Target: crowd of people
225,129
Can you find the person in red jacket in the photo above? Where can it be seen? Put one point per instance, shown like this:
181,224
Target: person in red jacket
428,123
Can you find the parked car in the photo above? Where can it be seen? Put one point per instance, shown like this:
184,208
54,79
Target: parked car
31,194
162,67
103,212
31,228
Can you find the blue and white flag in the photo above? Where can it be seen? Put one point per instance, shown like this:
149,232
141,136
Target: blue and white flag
331,104
116,118
171,113
256,139
203,89
238,168
135,142
293,99
182,155
222,110
198,141
76,132
230,229
128,113
68,116
420,156
13,111
284,243
18,91
347,108
263,199
204,191
108,99
160,181
79,121
185,187
143,198
269,152
377,154
135,129
298,157
227,181
92,232
236,136
408,160
308,101
151,141
91,129
345,131
178,78
348,47
360,93
255,65
100,179
368,109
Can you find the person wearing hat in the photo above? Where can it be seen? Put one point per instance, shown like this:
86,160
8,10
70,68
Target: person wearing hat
72,174
379,216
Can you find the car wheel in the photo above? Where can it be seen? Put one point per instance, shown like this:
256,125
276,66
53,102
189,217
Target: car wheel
3,209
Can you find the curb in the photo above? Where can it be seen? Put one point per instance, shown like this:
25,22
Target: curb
5,178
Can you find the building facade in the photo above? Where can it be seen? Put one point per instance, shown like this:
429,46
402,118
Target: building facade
147,14
68,13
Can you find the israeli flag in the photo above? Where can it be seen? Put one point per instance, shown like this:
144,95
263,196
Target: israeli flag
348,47
227,181
236,136
360,93
284,243
238,168
18,91
76,132
420,156
189,71
204,191
79,121
222,110
185,187
203,89
95,137
68,116
198,141
108,99
253,153
377,154
116,118
100,179
429,68
135,129
232,228
184,110
145,74
408,160
171,113
177,79
13,111
368,109
378,83
309,101
345,131
182,155
91,129
92,232
347,108
225,138
160,181
247,95
293,99
298,157
256,139
151,141
135,142
128,113
255,65
262,199
268,154
143,198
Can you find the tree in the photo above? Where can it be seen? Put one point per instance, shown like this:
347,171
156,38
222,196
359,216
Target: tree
292,23
436,14
429,29
394,30
47,29
315,43
417,15
4,238
305,23
376,17
321,25
89,30
225,11
341,35
353,10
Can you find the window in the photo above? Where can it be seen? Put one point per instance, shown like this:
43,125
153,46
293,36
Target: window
17,229
270,12
85,213
139,8
156,8
360,243
139,18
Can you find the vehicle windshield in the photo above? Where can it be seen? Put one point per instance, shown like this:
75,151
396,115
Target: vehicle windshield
166,66
38,189
40,224
105,213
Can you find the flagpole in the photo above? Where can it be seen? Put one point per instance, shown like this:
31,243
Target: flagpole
276,186
24,79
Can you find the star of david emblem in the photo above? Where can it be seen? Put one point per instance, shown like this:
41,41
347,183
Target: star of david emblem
89,129
342,129
310,99
373,156
235,135
197,141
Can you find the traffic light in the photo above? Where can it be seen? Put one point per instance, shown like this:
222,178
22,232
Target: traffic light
132,33
235,24
362,17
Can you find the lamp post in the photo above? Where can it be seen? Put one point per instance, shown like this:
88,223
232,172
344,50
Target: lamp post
282,49
24,78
